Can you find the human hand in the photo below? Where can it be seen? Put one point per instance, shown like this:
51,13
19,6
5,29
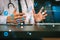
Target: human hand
16,16
39,16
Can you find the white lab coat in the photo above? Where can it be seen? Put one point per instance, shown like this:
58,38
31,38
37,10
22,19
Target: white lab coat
3,18
28,11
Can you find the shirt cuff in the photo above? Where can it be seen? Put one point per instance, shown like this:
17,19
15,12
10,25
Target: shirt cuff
3,19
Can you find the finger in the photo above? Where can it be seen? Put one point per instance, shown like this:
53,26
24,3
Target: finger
41,9
44,18
21,14
45,15
44,12
15,22
15,18
8,21
16,14
18,17
8,17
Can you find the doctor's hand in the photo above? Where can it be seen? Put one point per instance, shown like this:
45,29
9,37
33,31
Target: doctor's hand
19,16
38,17
16,16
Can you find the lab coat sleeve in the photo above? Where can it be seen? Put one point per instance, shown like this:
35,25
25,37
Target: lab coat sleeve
3,19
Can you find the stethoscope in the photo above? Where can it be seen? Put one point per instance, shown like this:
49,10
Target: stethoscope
6,12
10,3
